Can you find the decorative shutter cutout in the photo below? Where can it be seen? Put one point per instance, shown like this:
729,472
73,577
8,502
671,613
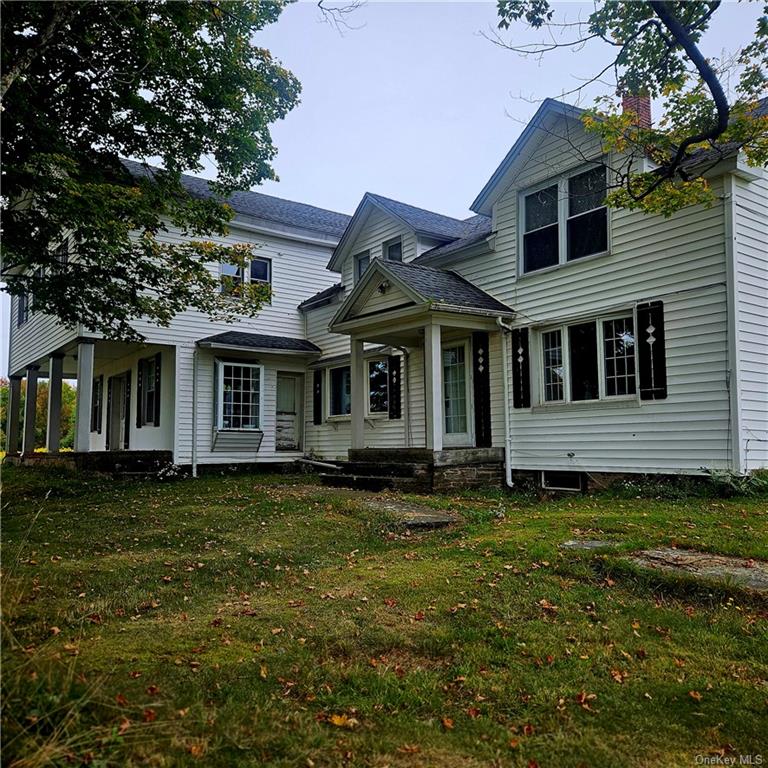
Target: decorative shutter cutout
394,374
481,386
521,369
317,397
158,357
651,352
139,391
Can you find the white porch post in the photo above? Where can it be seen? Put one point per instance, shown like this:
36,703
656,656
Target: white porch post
55,376
357,388
433,386
84,395
30,410
12,421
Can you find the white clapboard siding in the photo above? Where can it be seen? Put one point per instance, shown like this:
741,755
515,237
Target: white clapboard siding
316,323
39,336
377,229
148,437
751,229
681,261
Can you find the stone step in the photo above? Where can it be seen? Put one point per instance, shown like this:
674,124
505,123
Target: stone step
384,469
375,482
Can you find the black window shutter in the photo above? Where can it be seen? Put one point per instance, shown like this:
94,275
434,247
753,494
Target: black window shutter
109,410
481,385
127,440
158,357
521,369
139,392
651,352
394,374
317,397
100,413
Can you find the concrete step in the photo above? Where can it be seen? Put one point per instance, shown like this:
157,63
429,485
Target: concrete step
384,469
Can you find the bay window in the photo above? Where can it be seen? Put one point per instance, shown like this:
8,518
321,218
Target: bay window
586,361
564,220
239,396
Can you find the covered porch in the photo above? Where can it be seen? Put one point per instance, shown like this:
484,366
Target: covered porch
455,334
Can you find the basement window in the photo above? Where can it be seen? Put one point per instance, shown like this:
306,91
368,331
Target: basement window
556,480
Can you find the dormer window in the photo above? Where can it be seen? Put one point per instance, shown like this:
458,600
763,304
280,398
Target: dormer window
564,221
393,250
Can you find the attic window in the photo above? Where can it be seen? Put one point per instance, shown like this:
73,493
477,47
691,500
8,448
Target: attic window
362,261
393,250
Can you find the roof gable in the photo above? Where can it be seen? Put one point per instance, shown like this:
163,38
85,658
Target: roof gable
549,113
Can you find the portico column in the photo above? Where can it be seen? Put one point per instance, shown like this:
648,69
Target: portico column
12,421
84,396
30,411
433,386
55,377
357,390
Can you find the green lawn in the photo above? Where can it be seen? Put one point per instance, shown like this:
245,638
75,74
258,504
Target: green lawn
267,621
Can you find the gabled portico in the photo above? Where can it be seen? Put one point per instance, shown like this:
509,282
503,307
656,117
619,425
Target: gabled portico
448,320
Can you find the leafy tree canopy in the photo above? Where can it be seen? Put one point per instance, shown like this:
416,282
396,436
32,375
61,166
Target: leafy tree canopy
86,83
657,54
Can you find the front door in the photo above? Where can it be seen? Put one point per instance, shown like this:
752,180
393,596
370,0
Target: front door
288,423
457,403
118,403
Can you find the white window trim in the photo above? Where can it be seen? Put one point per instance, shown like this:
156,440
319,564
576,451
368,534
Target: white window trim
563,328
329,395
220,395
369,414
356,274
385,248
562,222
246,272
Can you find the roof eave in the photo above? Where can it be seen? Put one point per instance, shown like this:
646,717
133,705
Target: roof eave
259,350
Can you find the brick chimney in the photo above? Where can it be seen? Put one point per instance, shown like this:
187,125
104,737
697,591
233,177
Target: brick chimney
640,105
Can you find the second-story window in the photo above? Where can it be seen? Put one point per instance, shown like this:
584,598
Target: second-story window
362,262
564,221
232,276
22,314
393,250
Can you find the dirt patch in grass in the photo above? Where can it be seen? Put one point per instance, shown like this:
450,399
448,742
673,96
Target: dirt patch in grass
747,573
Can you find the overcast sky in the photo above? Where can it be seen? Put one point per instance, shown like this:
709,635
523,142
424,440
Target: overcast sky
415,103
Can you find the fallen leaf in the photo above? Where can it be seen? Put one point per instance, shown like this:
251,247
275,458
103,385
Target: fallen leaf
125,724
695,695
150,715
447,723
121,700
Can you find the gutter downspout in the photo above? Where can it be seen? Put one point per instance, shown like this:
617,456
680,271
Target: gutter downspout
194,413
404,388
505,329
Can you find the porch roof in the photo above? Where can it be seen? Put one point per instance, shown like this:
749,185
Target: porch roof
260,342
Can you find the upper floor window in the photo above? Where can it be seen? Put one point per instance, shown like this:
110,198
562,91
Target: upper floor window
362,262
565,220
393,250
233,276
22,309
589,361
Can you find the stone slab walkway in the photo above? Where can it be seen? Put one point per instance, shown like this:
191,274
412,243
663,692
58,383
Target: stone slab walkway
414,516
750,574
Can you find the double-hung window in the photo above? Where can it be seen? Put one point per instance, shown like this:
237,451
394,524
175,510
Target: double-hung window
259,270
593,360
239,396
393,250
564,220
362,262
22,308
340,391
378,386
148,396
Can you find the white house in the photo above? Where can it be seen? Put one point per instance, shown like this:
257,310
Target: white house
544,334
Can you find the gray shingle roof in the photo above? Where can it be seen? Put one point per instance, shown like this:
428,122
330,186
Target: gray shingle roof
445,287
423,221
258,341
322,296
261,206
478,229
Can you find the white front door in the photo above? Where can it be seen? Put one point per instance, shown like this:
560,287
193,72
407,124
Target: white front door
457,401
